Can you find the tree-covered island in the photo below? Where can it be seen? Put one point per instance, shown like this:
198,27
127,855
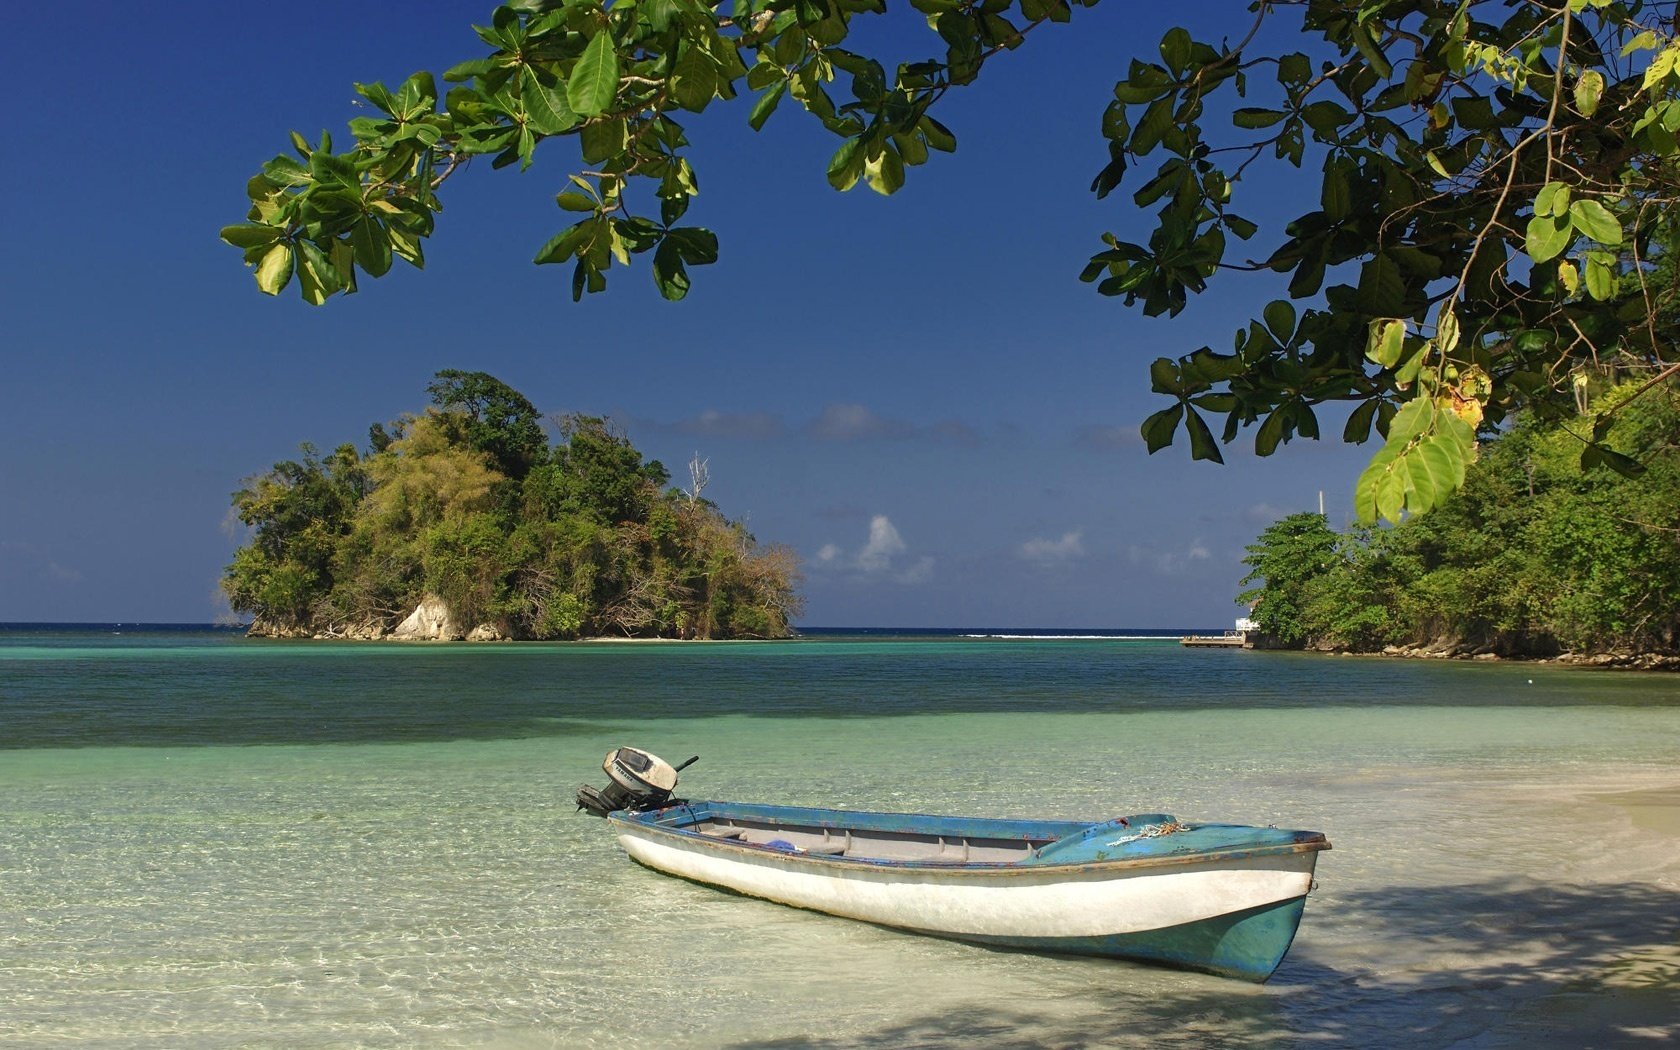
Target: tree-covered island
465,521
1534,557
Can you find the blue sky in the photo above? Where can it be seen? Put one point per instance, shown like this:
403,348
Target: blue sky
914,392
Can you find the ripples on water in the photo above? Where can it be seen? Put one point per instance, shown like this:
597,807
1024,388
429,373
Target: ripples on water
394,860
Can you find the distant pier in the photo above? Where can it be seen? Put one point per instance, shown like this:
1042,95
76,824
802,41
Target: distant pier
1239,637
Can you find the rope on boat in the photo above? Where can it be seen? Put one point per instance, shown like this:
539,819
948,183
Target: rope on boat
1152,831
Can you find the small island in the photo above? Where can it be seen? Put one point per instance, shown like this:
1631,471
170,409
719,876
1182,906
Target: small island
1551,550
465,521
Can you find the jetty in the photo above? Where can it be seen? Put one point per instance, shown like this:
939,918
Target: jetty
1239,637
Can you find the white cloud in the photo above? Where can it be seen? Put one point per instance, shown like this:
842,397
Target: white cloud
884,555
920,572
847,422
884,543
1174,562
1071,545
1105,438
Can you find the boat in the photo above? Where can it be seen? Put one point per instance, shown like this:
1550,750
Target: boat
1220,898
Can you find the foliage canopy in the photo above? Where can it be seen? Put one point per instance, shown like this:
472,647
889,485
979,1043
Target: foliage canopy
1494,206
582,540
1533,555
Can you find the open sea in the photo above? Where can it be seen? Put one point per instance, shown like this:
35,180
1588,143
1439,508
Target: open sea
210,842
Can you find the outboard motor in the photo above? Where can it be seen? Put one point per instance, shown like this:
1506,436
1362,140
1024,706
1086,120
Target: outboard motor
639,780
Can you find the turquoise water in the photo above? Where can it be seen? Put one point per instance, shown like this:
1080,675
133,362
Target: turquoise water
211,842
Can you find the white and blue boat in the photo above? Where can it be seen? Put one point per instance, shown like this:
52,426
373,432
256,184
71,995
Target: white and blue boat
1220,898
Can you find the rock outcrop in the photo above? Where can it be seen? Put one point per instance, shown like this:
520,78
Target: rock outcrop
431,621
261,628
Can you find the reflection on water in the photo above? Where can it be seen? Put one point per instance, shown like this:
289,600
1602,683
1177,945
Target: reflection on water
1488,885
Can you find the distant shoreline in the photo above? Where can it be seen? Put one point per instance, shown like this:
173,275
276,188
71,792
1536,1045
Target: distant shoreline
1612,660
982,633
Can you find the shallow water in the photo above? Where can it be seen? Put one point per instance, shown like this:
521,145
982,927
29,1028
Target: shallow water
391,858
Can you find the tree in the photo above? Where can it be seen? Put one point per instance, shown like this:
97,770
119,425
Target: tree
298,513
1490,233
1288,556
1532,556
491,417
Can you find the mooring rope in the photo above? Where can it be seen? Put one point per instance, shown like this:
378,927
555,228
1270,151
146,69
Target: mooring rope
1152,831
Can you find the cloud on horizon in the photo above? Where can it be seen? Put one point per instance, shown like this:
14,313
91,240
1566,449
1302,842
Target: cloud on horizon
884,555
838,423
1044,551
1170,562
1106,438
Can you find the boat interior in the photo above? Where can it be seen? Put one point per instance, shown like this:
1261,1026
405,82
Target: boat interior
869,844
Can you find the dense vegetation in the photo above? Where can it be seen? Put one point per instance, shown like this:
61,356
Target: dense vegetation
1484,184
469,502
1533,556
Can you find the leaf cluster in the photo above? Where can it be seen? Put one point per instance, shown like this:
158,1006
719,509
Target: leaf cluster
616,78
1494,182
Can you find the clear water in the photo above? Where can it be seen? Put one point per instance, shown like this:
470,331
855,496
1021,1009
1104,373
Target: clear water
210,842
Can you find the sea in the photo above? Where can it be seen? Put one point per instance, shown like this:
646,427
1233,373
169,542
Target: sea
208,841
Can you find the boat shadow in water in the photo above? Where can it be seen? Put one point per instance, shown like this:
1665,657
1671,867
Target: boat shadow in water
1487,964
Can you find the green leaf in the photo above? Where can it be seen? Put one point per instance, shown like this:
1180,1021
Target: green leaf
564,245
1371,51
1446,328
1596,455
696,245
1271,432
1419,467
546,107
1412,356
1164,376
1547,238
251,235
846,166
1175,48
1601,279
602,140
1596,221
274,272
1386,341
591,88
1159,428
570,201
1255,118
766,105
885,174
1553,199
938,136
1589,88
1357,431
317,277
372,246
1280,319
694,79
1202,444
668,272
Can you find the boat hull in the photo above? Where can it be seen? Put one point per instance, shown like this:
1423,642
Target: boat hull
1233,913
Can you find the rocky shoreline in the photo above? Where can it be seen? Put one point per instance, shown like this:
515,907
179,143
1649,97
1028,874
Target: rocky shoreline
431,621
1454,650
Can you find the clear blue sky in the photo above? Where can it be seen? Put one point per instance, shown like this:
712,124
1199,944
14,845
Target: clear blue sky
914,392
